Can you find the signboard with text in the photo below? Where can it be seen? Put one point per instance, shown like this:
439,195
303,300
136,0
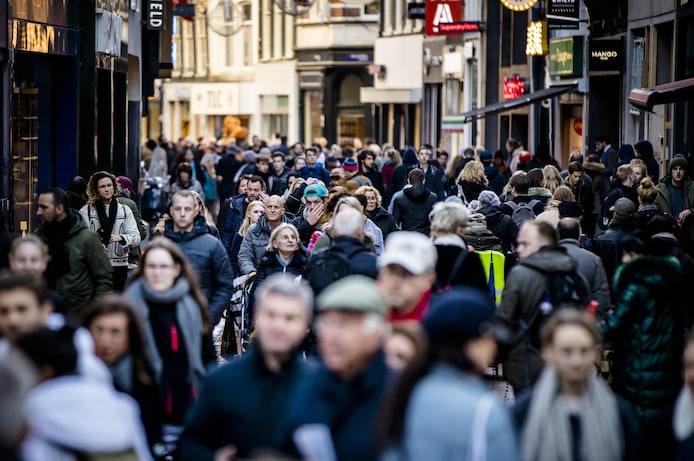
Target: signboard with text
566,56
606,56
416,10
563,14
441,14
514,87
155,14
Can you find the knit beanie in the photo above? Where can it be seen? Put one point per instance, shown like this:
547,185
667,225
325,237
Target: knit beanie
679,161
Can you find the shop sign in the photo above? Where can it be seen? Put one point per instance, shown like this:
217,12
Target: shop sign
416,10
155,14
536,40
563,14
518,5
606,56
214,99
440,14
514,87
566,56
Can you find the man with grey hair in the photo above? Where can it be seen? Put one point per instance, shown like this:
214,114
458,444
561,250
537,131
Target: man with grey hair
242,406
17,377
346,256
498,222
338,403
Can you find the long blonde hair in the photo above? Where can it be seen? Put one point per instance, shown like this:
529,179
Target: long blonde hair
473,172
552,177
247,219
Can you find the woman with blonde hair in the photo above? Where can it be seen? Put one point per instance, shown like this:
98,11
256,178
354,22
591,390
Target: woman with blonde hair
647,194
551,213
254,211
471,181
552,177
176,324
375,211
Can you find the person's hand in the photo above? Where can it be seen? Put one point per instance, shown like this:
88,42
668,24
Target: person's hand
116,238
685,214
263,197
313,215
219,178
227,453
310,181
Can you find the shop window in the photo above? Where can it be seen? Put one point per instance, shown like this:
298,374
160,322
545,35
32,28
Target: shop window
25,139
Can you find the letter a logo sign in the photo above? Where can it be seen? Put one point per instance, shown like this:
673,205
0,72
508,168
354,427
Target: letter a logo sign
442,12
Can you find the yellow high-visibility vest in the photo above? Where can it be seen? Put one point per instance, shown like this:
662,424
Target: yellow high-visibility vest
493,262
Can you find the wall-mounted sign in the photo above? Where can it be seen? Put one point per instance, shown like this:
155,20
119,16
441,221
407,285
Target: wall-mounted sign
155,15
186,10
518,5
451,28
606,56
536,41
416,10
442,13
514,87
563,14
566,56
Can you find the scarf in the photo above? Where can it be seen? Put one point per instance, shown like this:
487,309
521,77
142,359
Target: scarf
546,435
683,419
106,222
189,320
122,372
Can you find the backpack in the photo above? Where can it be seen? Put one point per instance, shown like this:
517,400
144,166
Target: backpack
327,266
605,213
522,211
562,290
479,236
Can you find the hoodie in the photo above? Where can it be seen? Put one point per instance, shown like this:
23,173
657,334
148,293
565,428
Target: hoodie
399,177
72,414
645,150
411,210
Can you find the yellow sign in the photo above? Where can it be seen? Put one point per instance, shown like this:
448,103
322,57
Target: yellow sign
536,42
518,5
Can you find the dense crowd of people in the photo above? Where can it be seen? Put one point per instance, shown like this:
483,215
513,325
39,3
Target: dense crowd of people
357,303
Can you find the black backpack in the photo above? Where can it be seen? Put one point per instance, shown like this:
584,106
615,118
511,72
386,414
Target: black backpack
605,213
327,266
562,290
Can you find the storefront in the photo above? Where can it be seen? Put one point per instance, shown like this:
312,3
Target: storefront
276,86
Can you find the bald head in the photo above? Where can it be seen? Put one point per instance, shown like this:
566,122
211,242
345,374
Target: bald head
274,209
349,222
569,228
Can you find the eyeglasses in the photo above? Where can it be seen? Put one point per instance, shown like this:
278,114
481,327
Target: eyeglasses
371,199
334,177
159,267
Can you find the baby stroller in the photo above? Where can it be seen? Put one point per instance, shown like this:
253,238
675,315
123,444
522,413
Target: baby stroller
237,334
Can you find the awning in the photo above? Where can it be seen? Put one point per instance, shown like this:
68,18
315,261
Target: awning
646,98
503,106
373,95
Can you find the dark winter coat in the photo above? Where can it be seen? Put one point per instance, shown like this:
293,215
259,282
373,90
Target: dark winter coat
523,292
384,221
316,171
376,179
608,245
647,331
243,404
584,196
645,149
411,210
496,179
469,190
399,176
210,264
501,225
662,201
435,180
278,184
362,261
471,272
231,214
87,272
348,408
254,245
270,265
538,208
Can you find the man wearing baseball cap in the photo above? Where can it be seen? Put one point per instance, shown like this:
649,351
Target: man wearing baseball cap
407,270
341,398
313,215
608,245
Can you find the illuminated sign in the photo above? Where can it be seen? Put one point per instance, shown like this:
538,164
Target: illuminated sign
566,56
518,5
606,56
440,14
459,27
536,42
155,15
563,14
514,87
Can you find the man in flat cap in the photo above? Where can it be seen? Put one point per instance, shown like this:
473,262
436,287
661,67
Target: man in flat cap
338,404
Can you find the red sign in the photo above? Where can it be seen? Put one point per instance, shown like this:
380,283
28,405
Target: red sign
441,13
459,27
514,87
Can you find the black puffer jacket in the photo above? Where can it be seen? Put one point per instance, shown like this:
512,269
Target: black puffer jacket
270,265
647,327
469,190
501,225
411,210
608,245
